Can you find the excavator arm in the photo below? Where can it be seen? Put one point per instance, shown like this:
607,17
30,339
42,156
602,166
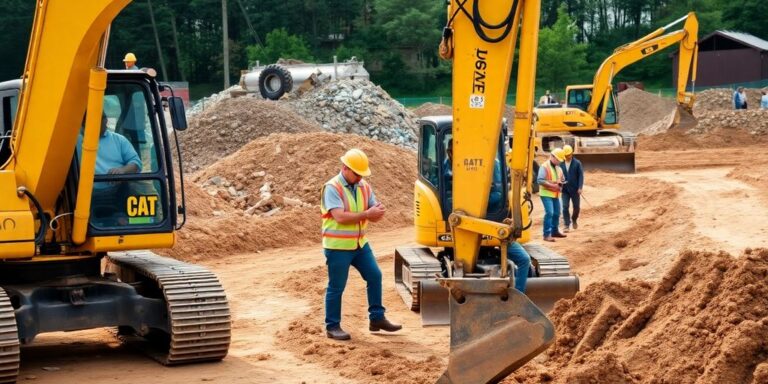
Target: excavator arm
494,328
644,47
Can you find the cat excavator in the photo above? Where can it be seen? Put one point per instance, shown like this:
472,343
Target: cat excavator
589,119
469,282
75,222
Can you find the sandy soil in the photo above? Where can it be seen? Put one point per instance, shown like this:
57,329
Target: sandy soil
632,226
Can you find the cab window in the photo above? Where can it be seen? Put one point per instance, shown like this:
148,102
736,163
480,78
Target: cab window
428,155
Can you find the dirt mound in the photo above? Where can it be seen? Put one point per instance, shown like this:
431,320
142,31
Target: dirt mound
710,308
717,99
231,123
267,194
754,122
432,109
679,139
640,109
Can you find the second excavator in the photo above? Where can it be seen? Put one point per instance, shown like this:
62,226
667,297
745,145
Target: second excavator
589,119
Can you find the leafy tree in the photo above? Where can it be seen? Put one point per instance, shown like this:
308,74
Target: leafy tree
280,44
747,16
561,60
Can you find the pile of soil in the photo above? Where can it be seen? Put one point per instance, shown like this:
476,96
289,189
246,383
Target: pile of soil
223,219
432,109
641,109
681,139
231,123
711,308
718,99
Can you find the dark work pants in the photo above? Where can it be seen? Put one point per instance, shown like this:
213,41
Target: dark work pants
567,218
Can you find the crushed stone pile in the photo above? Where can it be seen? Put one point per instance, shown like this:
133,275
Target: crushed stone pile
711,308
358,107
267,194
641,111
432,109
753,121
230,124
717,99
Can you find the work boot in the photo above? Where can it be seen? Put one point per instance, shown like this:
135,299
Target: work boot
337,333
558,234
567,229
549,238
384,325
575,226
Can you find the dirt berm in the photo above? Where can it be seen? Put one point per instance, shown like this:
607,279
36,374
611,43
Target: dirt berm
705,322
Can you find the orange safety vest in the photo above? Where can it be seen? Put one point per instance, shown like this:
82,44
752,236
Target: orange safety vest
552,173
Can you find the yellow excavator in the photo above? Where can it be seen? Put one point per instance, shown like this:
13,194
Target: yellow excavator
469,283
87,182
589,119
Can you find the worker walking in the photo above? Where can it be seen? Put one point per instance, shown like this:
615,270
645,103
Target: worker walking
574,173
347,205
130,61
739,99
551,180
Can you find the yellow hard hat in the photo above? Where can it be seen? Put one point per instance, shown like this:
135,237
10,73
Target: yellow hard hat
129,57
357,161
567,150
559,154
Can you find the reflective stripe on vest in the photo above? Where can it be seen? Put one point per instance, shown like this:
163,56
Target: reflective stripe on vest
345,236
549,175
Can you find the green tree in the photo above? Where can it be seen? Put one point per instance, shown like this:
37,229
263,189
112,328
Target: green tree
747,16
561,59
280,44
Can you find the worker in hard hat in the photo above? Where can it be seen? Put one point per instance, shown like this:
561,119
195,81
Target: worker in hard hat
347,205
551,181
130,61
574,173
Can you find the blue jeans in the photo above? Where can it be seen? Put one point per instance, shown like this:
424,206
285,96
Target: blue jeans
522,260
551,215
338,262
567,198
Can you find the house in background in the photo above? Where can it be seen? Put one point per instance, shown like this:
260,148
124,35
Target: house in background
727,57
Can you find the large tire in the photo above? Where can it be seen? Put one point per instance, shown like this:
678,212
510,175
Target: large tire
274,82
534,184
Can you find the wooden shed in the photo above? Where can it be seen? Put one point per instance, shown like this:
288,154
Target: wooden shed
727,57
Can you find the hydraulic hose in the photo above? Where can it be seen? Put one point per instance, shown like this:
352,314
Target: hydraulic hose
40,236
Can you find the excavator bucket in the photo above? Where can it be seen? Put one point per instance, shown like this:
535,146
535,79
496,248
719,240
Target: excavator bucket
494,330
622,162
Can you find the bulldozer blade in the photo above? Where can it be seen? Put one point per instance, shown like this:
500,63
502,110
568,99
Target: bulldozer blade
494,330
542,291
622,162
434,304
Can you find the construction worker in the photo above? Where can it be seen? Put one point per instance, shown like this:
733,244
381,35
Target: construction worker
347,205
551,181
547,99
574,173
130,61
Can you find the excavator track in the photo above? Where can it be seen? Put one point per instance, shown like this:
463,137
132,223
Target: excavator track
412,265
546,262
9,341
198,312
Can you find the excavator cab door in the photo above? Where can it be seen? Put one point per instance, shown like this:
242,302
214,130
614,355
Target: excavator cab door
133,184
579,97
9,99
608,110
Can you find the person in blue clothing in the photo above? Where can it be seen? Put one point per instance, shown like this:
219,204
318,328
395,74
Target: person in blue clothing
574,173
515,252
764,100
739,99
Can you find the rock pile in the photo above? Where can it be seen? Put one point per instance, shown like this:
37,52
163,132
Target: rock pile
753,121
210,101
358,107
716,99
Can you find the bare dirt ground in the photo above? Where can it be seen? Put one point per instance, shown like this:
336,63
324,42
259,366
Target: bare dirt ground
632,227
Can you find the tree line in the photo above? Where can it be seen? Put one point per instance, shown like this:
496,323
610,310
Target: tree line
397,39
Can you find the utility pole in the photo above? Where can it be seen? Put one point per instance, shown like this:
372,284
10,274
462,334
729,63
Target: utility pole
157,41
225,34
